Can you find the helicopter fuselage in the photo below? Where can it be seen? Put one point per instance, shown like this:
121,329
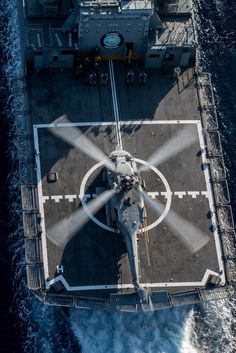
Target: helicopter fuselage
126,209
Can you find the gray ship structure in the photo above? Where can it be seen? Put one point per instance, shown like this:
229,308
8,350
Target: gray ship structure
124,193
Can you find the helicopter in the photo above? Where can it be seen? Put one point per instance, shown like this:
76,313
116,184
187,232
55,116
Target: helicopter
124,198
126,209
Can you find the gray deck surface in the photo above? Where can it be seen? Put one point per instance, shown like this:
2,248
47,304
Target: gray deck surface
95,256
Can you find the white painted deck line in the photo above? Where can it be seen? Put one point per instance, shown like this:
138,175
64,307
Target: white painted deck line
57,198
152,194
40,200
84,197
45,198
70,198
211,204
130,285
180,194
208,193
125,122
115,103
166,194
194,194
205,193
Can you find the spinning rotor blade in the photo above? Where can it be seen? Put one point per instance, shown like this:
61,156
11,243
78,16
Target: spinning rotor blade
77,139
191,237
64,230
173,146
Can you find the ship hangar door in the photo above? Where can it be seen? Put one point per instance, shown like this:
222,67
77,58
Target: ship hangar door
184,59
129,47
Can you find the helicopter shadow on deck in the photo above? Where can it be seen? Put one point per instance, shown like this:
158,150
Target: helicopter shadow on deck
94,255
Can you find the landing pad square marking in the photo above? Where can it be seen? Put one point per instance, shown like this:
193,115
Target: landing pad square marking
167,122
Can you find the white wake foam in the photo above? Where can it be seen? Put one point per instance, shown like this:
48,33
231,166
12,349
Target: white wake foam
157,332
187,345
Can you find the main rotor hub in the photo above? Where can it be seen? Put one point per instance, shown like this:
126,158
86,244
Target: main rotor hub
127,183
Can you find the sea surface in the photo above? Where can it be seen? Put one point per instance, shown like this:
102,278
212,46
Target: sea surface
28,326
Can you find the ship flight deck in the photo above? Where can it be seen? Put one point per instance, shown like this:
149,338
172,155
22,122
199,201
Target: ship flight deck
140,119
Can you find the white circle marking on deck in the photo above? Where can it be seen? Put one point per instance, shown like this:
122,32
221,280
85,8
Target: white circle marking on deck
111,229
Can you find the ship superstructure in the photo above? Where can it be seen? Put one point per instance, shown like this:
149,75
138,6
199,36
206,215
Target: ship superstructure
115,110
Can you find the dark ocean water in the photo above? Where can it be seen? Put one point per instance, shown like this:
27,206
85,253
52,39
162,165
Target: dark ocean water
25,324
9,339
